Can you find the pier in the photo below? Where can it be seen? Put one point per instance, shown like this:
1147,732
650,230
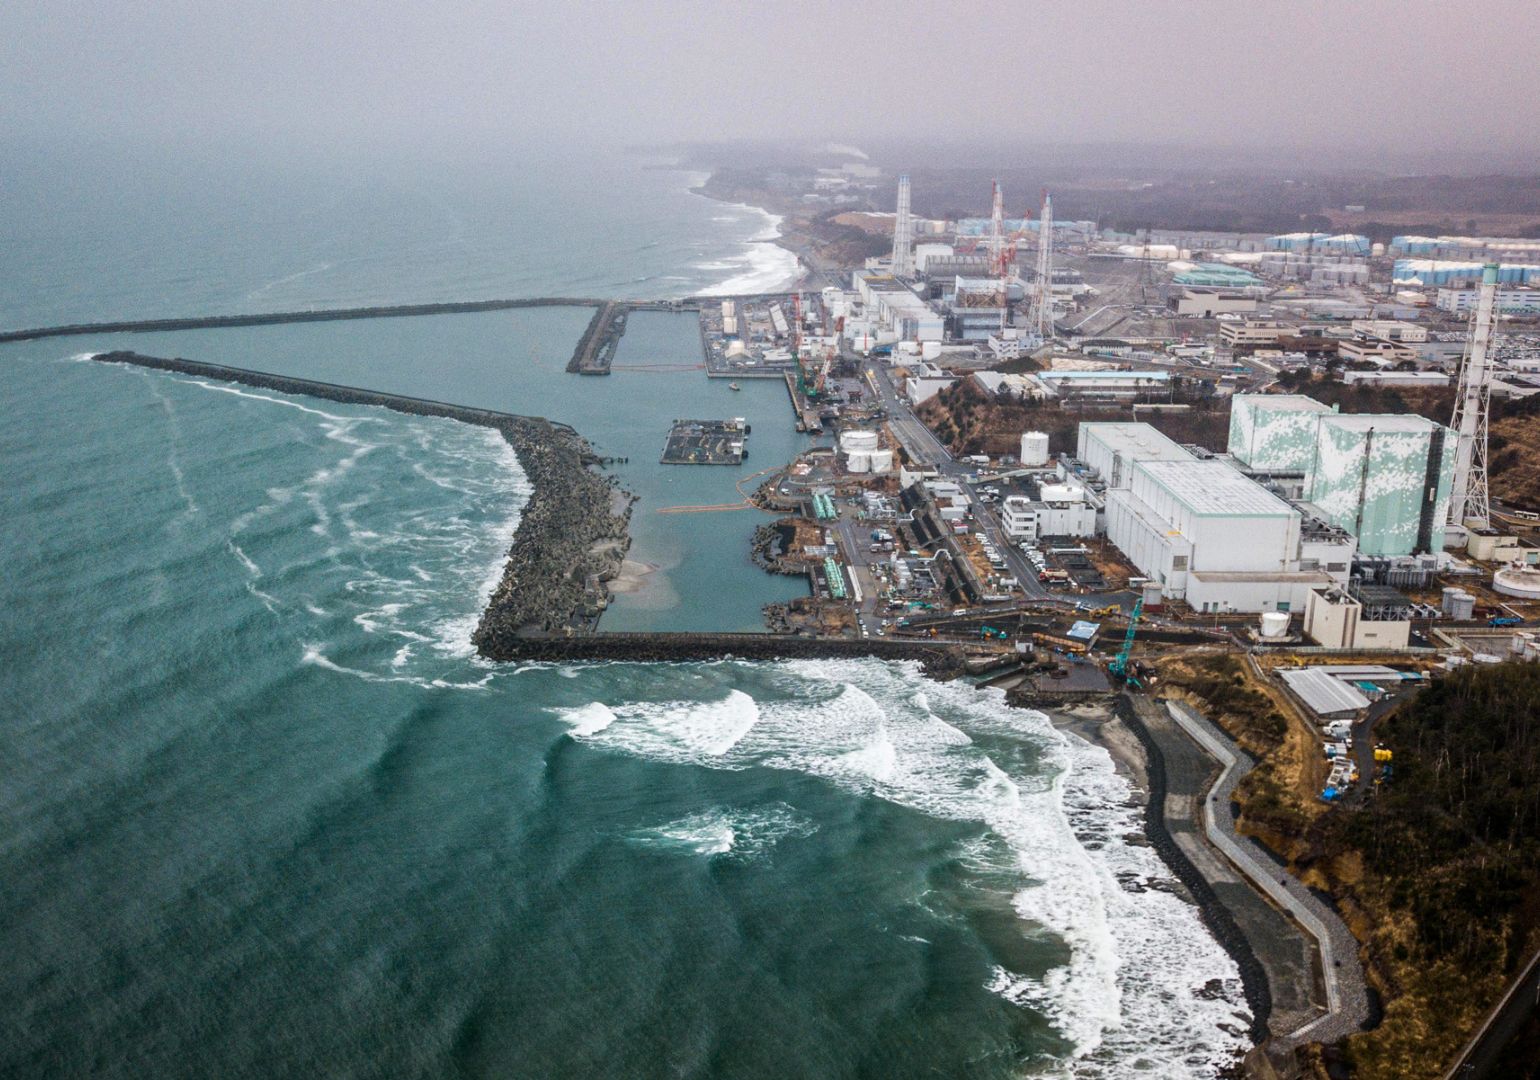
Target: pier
381,311
595,352
274,318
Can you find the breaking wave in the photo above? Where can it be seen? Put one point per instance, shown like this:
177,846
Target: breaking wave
1144,989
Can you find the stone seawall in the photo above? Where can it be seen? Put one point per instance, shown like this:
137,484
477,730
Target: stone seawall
571,537
273,318
938,661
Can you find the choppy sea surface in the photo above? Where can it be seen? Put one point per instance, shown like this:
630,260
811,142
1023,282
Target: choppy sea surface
263,812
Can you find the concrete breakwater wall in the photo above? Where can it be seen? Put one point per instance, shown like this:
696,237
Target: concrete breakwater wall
571,537
1220,922
595,351
938,661
272,318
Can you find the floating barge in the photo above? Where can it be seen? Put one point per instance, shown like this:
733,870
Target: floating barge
707,442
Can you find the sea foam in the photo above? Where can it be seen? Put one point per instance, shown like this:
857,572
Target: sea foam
1127,998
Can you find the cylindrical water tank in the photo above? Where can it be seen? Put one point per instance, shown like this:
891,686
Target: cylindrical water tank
859,461
1275,624
882,460
1518,581
930,350
1034,449
858,440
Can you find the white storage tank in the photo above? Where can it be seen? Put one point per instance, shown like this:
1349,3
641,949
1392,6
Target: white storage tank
1518,581
1275,624
851,441
930,350
859,461
1034,449
882,460
1062,493
1458,604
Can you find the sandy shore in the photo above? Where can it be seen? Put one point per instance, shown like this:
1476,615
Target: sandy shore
633,576
1100,726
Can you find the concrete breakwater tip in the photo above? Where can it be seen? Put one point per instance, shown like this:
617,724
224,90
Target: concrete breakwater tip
572,535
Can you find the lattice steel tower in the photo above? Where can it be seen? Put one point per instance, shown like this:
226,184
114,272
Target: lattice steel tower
997,226
903,233
1469,499
1040,320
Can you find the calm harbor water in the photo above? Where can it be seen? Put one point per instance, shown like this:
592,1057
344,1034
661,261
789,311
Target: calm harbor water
266,814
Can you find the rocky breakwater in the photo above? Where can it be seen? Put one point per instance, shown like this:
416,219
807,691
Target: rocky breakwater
571,537
571,540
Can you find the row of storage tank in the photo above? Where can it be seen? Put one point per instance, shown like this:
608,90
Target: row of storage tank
863,453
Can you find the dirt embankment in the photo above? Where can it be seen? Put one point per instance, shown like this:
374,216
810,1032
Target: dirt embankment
971,421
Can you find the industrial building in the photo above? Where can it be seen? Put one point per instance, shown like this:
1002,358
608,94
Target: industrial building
1336,619
1514,301
1061,510
1110,449
1274,432
1375,351
1205,303
1385,479
1212,537
1103,385
1389,330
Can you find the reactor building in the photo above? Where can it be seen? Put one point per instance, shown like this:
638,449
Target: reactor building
1385,479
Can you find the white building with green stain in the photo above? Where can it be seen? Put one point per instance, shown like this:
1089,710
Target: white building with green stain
1275,432
1383,478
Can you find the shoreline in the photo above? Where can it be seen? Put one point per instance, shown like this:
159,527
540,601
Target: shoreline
777,235
1137,758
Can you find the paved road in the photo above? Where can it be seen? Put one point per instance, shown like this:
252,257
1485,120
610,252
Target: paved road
925,449
1347,1000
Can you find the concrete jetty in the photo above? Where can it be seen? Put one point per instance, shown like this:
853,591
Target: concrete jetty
381,311
942,661
273,318
595,351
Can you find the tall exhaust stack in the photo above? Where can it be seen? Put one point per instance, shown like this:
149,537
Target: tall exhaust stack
1041,319
903,233
997,226
1469,500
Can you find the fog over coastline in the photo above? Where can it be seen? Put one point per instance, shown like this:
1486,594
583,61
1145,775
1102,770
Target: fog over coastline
1454,82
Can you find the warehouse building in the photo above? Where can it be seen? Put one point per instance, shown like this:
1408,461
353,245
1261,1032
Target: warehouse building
1508,301
1274,432
1206,303
1385,479
1104,385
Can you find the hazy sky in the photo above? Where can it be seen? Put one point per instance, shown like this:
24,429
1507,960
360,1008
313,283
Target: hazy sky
1409,74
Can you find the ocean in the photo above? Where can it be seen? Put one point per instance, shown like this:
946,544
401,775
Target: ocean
266,813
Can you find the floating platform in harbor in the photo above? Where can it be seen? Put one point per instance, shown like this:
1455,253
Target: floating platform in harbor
707,442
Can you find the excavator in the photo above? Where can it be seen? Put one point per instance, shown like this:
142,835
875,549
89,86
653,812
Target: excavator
1120,665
